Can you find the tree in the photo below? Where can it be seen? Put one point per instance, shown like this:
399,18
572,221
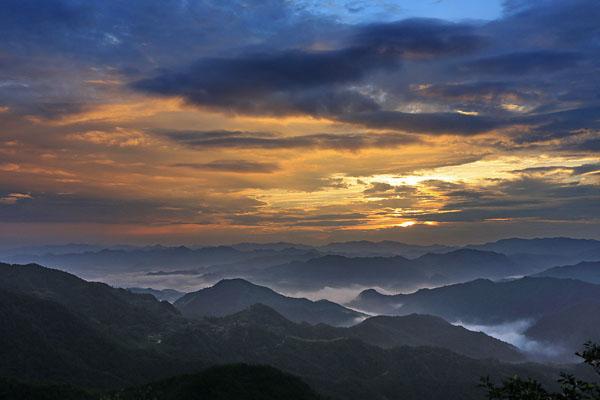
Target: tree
571,388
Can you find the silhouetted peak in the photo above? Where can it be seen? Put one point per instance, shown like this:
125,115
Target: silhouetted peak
234,283
369,293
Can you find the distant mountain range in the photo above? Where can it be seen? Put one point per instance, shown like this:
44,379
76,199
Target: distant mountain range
390,272
483,301
568,327
559,314
584,271
63,329
386,248
548,246
293,268
545,252
234,295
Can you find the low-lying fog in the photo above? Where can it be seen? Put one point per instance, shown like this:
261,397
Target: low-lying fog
182,283
337,295
514,333
511,332
190,283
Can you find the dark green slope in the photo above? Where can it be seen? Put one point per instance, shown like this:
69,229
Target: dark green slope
427,330
339,365
229,382
131,317
83,344
43,341
11,389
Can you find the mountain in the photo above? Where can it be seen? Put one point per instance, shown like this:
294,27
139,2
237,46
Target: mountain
468,264
569,327
136,259
427,330
116,311
146,340
386,248
264,258
340,271
584,271
382,331
12,389
226,260
341,366
227,382
233,295
539,254
547,246
389,272
45,341
483,301
50,249
248,246
169,295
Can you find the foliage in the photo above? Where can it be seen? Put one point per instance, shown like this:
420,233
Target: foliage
571,388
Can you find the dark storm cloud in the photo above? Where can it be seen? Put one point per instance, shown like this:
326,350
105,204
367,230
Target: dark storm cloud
579,170
265,140
45,41
524,63
560,124
226,57
527,197
72,208
477,91
76,208
282,83
311,82
586,169
592,145
235,166
429,123
421,38
488,76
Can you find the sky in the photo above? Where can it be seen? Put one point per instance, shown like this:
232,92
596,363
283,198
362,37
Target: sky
210,121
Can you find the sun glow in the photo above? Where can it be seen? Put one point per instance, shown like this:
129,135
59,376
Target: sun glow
407,224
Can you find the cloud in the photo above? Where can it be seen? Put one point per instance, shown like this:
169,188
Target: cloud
13,198
428,123
119,137
382,189
583,169
541,61
421,38
311,82
266,140
514,333
389,99
77,208
235,166
528,197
